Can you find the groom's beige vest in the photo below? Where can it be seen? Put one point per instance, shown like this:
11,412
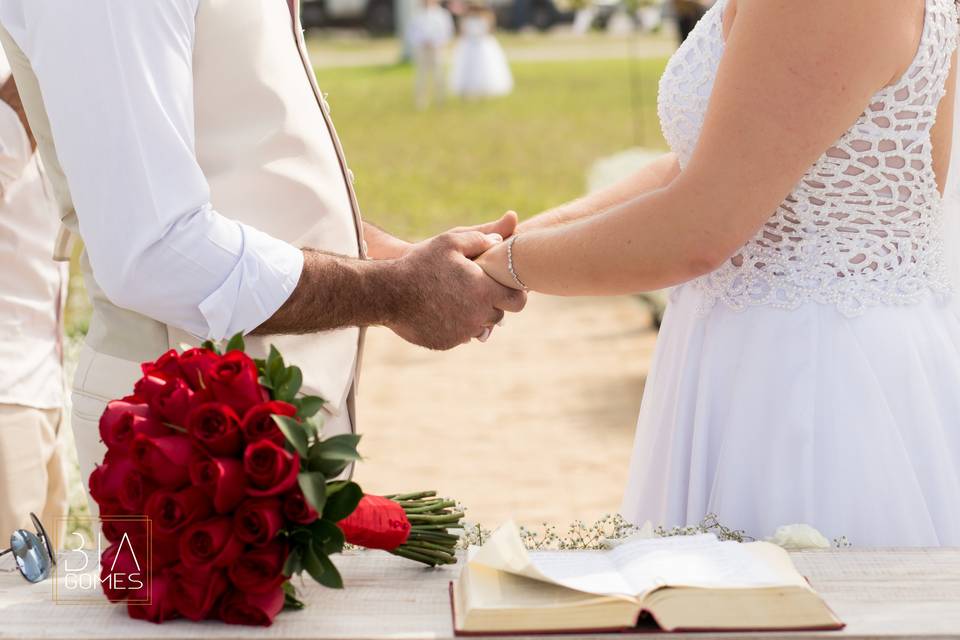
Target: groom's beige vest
268,148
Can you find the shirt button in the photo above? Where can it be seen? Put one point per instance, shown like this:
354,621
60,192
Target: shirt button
353,178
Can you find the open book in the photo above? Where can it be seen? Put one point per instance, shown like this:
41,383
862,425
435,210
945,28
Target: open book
682,583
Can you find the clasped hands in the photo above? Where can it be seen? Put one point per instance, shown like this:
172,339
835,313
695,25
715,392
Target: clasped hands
454,299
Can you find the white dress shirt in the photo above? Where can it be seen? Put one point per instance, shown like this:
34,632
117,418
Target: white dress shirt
431,26
32,285
121,112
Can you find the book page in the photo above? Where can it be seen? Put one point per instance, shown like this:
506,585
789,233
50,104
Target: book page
691,561
636,567
585,571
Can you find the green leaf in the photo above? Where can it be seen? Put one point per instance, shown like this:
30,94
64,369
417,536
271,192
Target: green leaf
342,447
294,564
308,406
314,487
312,564
211,345
275,367
292,381
236,343
342,500
311,428
301,536
329,468
294,433
290,599
330,576
327,536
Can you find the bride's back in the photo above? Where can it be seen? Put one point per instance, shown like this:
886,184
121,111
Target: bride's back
863,226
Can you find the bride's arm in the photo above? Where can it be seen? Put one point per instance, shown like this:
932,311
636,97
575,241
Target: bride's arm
794,77
656,174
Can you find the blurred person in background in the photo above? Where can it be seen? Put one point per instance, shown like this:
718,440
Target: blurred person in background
688,14
32,292
431,30
480,68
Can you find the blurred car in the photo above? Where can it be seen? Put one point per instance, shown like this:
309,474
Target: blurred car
378,17
542,15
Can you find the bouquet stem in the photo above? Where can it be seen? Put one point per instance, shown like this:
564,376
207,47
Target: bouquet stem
431,519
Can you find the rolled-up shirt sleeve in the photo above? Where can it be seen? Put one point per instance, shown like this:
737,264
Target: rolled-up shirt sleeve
117,82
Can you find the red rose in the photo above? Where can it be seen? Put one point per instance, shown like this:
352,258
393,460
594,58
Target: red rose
271,470
222,479
149,386
164,460
197,366
297,509
172,401
106,481
159,592
376,523
114,530
134,490
210,543
258,422
217,427
258,520
166,366
123,568
121,421
259,570
235,381
196,592
252,608
170,511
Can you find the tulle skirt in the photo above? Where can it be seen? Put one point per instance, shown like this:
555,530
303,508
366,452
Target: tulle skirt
769,417
480,69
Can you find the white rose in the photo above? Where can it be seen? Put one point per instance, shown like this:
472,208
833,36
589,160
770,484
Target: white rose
799,536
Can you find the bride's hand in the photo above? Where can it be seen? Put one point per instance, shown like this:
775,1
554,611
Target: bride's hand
495,264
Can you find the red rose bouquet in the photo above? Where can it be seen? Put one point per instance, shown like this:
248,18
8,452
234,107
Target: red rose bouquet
218,473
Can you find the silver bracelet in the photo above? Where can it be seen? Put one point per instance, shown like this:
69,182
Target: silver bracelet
510,267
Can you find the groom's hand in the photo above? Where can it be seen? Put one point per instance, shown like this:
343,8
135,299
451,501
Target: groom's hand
445,298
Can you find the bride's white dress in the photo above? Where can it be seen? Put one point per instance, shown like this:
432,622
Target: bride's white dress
815,377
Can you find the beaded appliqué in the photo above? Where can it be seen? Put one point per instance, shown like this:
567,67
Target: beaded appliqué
862,228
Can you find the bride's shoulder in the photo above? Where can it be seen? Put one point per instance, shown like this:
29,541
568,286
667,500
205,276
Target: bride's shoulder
876,33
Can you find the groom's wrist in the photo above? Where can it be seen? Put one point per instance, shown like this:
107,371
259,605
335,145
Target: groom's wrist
382,284
335,292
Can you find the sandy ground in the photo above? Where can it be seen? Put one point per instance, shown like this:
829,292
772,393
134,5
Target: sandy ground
537,424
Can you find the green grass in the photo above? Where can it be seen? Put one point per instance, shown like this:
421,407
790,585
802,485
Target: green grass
419,173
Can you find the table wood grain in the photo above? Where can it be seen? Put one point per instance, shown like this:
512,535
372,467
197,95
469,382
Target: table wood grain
895,593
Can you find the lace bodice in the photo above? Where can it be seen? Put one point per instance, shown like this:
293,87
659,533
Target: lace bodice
862,228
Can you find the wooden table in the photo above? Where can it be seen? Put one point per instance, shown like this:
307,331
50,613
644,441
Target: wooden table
892,593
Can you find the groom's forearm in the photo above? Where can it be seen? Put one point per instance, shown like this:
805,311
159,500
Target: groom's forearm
335,292
655,175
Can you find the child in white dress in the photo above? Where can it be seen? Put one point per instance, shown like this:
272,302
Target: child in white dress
480,68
